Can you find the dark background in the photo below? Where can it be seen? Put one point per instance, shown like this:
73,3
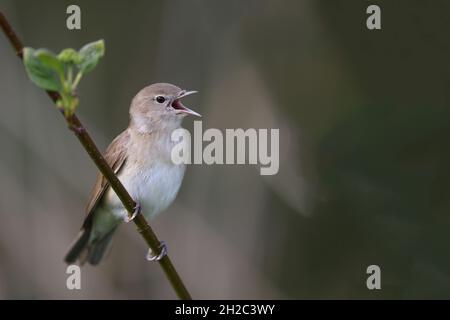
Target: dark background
364,148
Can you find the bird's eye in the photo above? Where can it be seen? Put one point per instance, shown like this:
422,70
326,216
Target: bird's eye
160,99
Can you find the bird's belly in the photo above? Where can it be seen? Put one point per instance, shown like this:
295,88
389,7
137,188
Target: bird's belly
154,188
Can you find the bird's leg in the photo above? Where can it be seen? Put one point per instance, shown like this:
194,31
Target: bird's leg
162,252
136,210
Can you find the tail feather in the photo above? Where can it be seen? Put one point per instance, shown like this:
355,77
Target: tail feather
84,250
97,249
78,246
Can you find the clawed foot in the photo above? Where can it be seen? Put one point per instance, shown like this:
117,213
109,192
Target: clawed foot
136,210
162,252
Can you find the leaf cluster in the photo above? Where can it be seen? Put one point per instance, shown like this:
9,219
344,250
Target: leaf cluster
57,72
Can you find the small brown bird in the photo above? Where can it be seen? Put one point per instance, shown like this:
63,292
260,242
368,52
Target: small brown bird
141,158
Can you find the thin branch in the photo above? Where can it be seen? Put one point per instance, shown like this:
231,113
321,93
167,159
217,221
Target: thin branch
83,136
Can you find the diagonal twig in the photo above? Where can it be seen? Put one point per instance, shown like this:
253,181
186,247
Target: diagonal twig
85,139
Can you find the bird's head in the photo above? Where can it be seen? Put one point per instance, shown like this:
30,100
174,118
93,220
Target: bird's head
159,107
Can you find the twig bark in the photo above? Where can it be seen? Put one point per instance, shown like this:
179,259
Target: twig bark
83,136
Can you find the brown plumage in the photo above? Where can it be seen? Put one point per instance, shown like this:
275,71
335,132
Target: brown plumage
141,158
115,156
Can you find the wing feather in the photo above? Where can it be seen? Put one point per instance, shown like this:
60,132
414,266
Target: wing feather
115,156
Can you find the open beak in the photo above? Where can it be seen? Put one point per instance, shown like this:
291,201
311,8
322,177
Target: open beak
180,108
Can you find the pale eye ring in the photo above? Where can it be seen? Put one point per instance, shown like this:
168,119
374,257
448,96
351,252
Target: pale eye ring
160,99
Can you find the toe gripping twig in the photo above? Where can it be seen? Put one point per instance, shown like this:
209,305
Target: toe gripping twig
162,252
136,210
162,245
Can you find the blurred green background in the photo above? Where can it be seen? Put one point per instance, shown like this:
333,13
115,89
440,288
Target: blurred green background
364,119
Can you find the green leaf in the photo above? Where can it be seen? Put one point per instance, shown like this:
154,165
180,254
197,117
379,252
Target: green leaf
90,54
49,60
69,56
41,74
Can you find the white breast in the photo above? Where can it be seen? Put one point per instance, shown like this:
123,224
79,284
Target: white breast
157,187
150,177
